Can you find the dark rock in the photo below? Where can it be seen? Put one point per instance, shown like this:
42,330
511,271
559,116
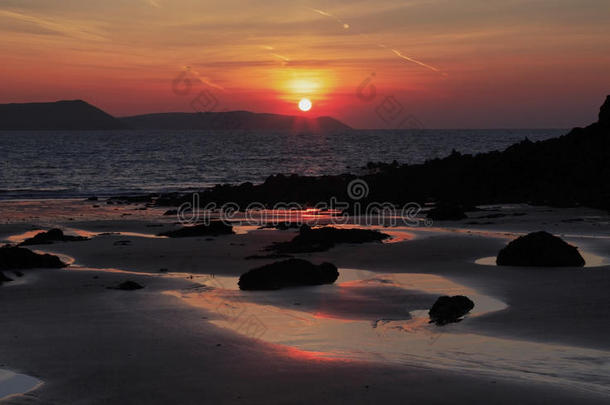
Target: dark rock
539,249
129,286
163,270
269,256
447,212
13,257
18,273
171,212
4,279
93,198
282,226
53,235
213,228
450,309
321,239
122,243
288,273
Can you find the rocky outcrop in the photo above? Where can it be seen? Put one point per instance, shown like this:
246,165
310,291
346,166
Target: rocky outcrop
321,239
53,235
129,286
13,257
447,212
563,171
214,228
288,273
450,309
539,249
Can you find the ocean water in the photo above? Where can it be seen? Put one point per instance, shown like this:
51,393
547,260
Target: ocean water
49,164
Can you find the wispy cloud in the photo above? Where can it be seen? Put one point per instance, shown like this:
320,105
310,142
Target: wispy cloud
63,27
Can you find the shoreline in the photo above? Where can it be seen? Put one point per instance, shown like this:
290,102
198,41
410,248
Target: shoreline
77,299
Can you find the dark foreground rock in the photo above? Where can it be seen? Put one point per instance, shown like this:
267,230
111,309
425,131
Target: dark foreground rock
13,257
539,249
447,212
288,273
214,228
53,235
450,309
321,239
128,286
4,279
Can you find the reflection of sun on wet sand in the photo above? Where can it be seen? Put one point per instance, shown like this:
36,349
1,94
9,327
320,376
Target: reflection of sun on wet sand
526,331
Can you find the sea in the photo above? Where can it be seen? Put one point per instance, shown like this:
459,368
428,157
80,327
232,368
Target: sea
74,164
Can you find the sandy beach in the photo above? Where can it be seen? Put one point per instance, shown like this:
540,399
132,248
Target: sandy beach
190,336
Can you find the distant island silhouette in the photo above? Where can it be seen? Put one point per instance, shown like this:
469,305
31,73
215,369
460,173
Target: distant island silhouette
80,115
59,115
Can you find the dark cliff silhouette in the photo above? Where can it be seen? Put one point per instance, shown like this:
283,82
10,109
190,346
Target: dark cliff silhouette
567,171
233,120
59,115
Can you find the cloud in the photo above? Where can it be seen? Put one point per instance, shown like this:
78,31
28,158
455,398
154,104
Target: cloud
61,27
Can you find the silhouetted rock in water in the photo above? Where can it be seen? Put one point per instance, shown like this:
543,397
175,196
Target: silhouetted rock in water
4,279
539,249
269,256
60,115
282,226
321,239
128,286
127,199
234,120
13,257
450,309
213,228
92,198
447,212
53,235
171,212
288,273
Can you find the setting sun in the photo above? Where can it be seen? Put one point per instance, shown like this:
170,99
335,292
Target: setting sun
305,104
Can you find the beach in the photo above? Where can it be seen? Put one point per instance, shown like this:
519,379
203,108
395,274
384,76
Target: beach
191,336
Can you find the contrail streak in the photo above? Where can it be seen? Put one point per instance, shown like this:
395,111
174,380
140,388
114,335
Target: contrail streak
326,14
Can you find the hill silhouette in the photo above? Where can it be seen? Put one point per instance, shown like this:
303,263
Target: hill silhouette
233,120
59,115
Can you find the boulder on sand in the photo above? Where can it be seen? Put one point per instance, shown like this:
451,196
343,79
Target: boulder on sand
447,212
53,235
4,279
213,228
13,257
450,309
129,286
539,249
321,239
288,273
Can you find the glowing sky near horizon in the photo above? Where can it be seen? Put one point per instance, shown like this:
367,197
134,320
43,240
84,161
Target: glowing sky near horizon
450,64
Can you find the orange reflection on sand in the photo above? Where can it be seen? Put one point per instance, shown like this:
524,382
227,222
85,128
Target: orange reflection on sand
298,354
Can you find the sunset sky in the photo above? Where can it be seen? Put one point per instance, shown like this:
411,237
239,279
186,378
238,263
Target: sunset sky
448,63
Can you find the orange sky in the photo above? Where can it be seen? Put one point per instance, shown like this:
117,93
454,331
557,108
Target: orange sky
449,64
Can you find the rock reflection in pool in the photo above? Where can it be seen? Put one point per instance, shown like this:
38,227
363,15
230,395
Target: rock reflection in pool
384,318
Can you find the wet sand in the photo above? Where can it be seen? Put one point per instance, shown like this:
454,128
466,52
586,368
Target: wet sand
89,344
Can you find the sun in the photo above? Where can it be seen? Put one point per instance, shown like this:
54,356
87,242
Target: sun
305,104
